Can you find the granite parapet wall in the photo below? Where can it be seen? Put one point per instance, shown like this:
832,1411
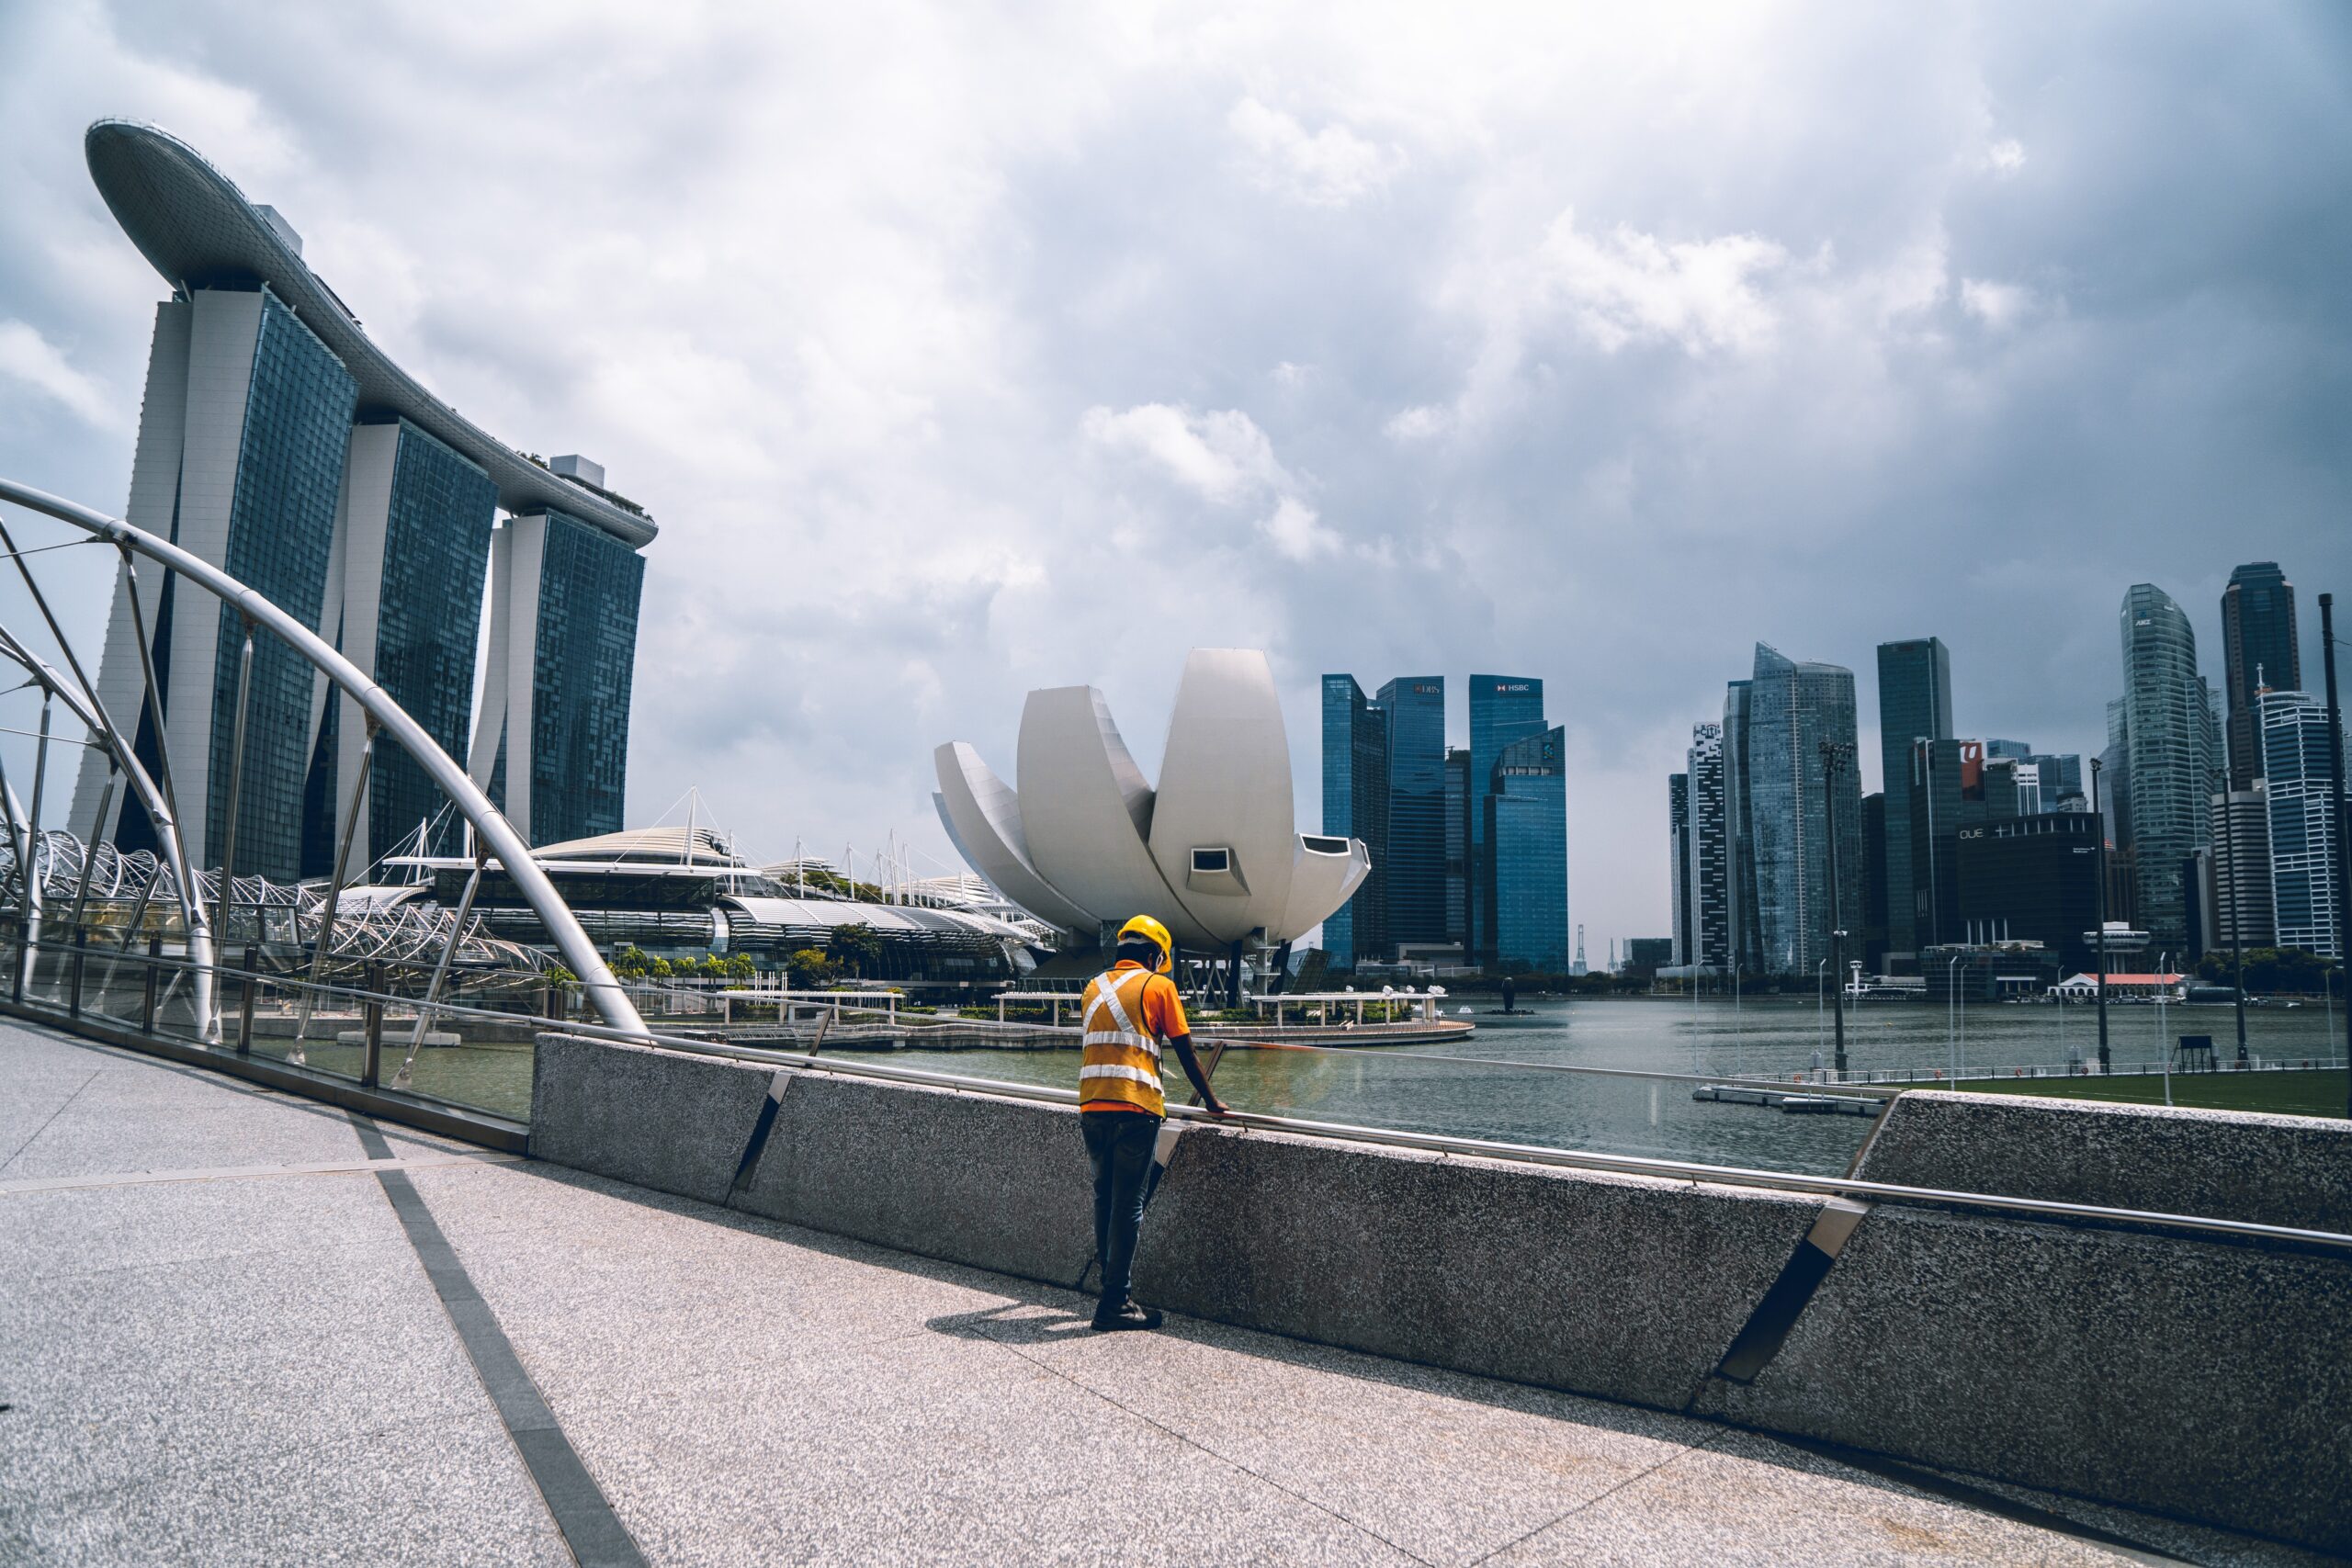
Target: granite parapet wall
2273,1170
2200,1377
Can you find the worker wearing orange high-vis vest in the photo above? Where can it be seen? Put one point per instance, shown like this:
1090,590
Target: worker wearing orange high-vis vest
1128,1009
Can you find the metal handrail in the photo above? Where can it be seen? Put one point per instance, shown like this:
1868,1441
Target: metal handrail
1691,1171
512,854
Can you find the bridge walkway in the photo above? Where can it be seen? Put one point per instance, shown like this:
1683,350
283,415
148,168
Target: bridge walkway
240,1328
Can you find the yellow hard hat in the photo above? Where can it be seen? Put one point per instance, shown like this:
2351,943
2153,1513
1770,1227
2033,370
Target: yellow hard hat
1151,931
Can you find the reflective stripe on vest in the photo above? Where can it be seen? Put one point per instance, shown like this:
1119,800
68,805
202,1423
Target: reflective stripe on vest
1121,1061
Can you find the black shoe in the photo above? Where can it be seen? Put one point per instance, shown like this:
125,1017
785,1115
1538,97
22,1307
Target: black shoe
1126,1314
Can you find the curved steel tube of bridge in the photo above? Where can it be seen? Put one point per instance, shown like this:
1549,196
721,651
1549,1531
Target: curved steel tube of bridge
603,991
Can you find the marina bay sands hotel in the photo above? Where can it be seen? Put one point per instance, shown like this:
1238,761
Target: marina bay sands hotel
278,442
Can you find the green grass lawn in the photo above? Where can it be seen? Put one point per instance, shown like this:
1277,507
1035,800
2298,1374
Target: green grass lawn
2285,1094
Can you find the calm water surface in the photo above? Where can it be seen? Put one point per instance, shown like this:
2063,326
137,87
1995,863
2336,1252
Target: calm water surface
1418,1088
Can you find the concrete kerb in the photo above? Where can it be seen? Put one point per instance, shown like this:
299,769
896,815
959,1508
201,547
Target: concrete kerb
2280,1171
2192,1377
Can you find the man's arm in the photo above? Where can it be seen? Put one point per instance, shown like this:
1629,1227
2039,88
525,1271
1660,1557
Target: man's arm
1192,1065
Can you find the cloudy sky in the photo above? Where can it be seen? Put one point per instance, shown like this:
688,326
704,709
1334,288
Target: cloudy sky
964,350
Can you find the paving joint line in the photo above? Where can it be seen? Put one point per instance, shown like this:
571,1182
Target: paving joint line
1682,1451
32,1184
582,1516
53,1115
1195,1443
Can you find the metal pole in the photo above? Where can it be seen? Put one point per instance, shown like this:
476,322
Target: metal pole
2341,817
246,1001
2164,1047
33,885
371,1026
334,895
2100,826
441,969
20,844
571,941
236,787
1834,755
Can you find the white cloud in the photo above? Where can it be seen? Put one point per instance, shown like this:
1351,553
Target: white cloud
1221,455
1627,287
2005,156
1418,422
32,359
1296,531
1997,305
1330,167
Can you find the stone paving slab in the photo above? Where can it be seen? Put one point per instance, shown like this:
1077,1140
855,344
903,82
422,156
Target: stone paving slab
259,1370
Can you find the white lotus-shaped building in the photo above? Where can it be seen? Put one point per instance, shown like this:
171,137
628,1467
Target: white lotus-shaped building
1213,852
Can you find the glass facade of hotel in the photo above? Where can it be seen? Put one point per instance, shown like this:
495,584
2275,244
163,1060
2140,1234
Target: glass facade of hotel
281,530
436,550
584,667
1355,806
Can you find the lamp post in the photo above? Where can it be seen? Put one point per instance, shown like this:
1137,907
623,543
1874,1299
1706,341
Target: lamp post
2098,824
2342,819
1835,756
1952,1000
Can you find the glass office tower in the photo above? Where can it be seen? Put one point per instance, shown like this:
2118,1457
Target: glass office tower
1415,706
2304,870
1527,836
1457,846
1794,709
405,604
2259,651
2242,892
551,737
1503,709
1355,805
1914,704
2170,736
1739,863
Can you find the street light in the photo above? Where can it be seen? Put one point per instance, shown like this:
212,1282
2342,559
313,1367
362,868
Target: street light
1951,998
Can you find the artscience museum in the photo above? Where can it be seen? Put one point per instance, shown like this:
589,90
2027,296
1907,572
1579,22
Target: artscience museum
1214,850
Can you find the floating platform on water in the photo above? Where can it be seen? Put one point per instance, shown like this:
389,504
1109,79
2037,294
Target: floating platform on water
1795,1104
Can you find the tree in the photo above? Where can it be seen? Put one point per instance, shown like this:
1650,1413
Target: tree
631,963
712,968
855,947
809,969
739,967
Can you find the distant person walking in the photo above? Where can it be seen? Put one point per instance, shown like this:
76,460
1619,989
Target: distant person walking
1128,1009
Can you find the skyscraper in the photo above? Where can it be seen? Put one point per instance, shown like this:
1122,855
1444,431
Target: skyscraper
1355,805
404,583
1709,930
1503,709
1739,861
2258,650
2170,737
1527,843
1955,789
552,733
1794,709
278,442
1914,704
1457,846
1678,851
2303,864
2242,895
1415,706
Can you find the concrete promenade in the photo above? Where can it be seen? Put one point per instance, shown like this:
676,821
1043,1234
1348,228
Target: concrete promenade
238,1327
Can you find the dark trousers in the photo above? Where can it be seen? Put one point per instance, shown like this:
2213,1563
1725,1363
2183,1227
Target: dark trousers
1118,1145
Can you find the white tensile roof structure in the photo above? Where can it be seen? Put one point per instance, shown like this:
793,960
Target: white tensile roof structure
1213,852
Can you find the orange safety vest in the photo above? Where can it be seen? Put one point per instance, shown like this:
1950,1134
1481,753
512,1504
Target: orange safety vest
1121,1063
